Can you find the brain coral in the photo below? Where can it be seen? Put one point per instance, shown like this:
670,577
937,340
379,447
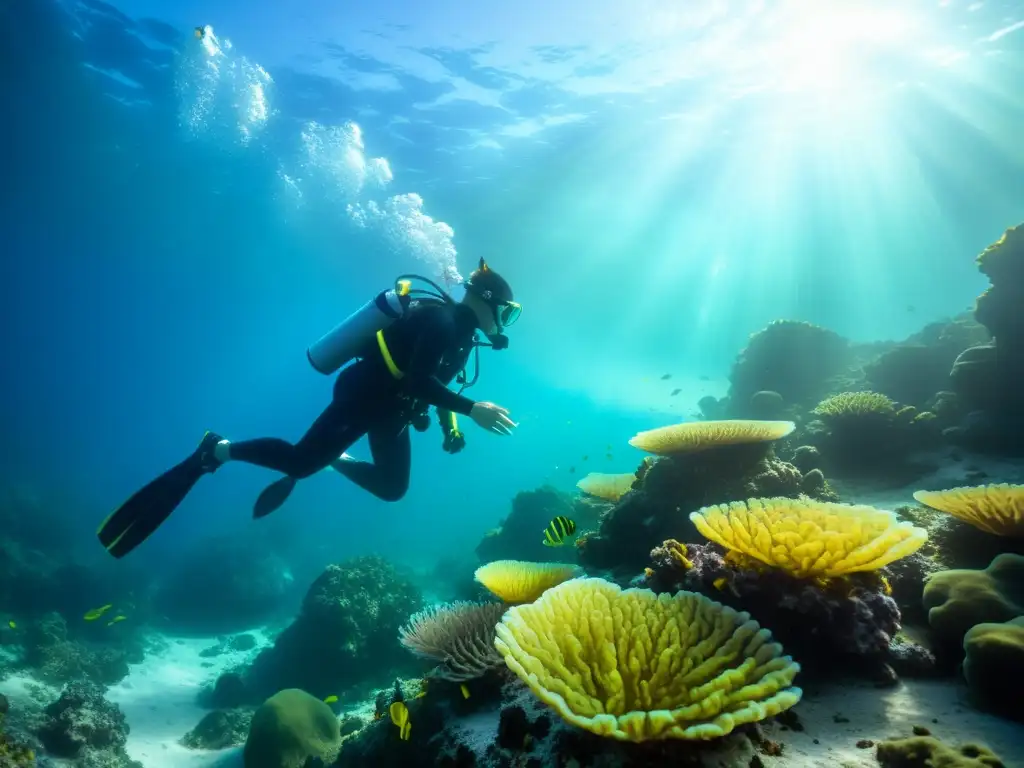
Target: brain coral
636,666
810,538
693,436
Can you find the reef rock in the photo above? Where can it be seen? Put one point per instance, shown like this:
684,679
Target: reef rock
84,726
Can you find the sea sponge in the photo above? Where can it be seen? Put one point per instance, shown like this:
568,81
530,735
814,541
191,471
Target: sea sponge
997,509
810,538
694,436
288,729
994,666
957,600
929,752
635,666
518,581
606,486
460,635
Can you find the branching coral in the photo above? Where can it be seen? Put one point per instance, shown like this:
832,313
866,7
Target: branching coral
997,509
856,405
635,666
810,538
694,436
459,635
517,581
610,487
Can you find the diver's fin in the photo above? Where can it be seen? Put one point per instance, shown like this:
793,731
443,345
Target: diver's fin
133,522
273,496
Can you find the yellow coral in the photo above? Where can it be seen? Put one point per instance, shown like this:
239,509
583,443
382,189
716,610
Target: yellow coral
856,404
636,666
517,581
606,486
997,509
997,260
808,537
693,436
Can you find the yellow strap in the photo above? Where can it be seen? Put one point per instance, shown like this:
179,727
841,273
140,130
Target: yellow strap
386,354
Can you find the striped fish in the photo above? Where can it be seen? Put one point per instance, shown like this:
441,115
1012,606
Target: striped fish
557,531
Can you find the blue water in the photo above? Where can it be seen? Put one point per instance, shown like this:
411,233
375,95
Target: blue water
181,218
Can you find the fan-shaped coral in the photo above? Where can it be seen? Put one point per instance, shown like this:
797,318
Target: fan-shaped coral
460,635
997,509
637,666
810,538
605,486
518,581
693,436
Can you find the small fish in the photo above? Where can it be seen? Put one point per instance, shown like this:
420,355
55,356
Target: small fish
400,717
911,308
886,586
666,377
465,691
675,392
95,613
331,699
608,456
572,470
113,621
585,457
704,378
557,531
720,582
608,447
11,624
199,32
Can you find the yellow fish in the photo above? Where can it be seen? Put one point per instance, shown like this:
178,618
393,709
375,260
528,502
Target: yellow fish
116,619
886,586
720,582
557,531
330,699
465,691
11,624
400,717
95,613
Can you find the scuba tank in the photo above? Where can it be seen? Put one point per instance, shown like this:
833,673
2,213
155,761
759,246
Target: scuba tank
349,337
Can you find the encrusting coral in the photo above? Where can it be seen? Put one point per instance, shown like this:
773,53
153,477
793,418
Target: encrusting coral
459,635
694,436
635,666
996,509
994,666
929,752
518,581
810,538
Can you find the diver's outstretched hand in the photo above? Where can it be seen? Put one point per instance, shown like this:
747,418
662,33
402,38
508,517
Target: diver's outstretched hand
493,418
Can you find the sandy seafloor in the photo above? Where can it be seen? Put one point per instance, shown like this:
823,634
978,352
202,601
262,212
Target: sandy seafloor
158,697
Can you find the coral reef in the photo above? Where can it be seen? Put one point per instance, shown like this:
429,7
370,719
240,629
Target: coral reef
346,629
83,726
795,360
220,729
867,434
515,581
960,599
607,487
520,535
682,667
670,488
242,584
288,729
818,621
56,659
458,636
994,665
929,752
810,538
953,543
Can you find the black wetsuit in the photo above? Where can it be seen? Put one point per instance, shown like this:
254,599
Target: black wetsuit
430,346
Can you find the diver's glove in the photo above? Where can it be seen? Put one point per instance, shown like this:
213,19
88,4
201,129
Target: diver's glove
454,441
420,422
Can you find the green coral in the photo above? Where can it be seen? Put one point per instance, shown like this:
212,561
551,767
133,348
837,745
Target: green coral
929,752
290,728
994,665
960,599
847,405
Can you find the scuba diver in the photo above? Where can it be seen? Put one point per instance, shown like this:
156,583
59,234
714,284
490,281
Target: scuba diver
407,346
